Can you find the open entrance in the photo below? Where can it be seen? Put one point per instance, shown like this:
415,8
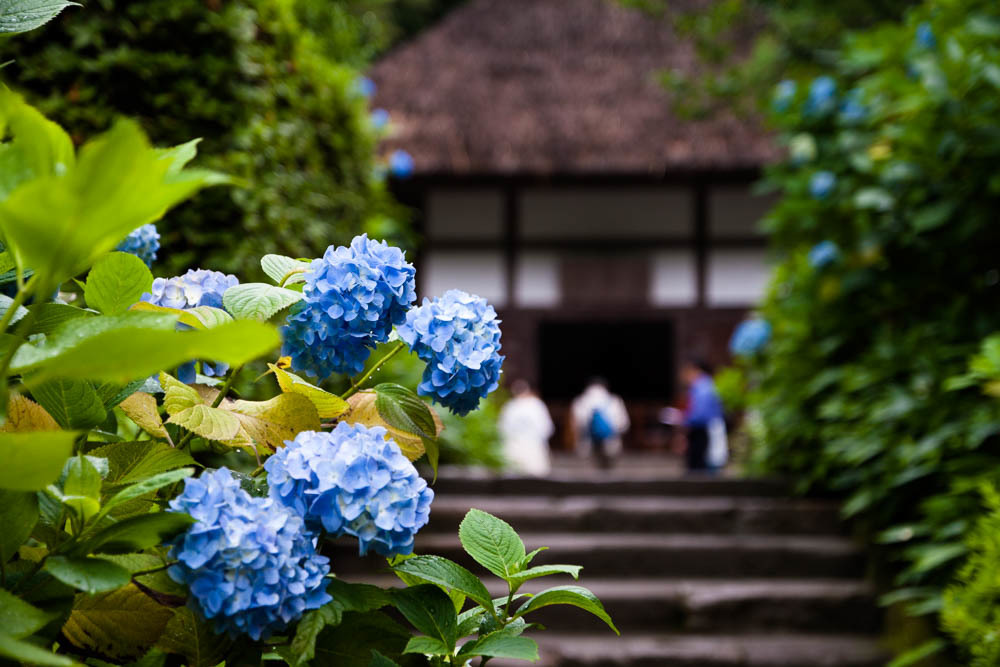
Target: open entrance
636,357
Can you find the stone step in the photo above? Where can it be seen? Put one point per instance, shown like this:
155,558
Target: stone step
473,482
657,514
708,605
635,555
592,650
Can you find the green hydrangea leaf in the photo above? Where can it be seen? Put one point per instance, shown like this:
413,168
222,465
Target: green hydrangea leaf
32,461
258,301
117,280
492,543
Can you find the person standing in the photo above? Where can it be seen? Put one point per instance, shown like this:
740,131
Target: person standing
703,419
599,422
525,428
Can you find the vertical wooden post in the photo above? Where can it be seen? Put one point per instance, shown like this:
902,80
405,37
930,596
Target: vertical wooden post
701,214
511,215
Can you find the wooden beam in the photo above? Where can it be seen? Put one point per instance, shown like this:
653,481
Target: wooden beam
701,215
511,232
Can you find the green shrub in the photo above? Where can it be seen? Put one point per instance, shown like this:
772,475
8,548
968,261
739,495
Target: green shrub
971,612
277,105
898,169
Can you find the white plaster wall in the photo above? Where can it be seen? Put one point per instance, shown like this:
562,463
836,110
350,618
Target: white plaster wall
673,279
537,280
736,277
476,272
464,214
734,211
606,213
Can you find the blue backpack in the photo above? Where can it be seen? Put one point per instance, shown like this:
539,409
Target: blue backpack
600,426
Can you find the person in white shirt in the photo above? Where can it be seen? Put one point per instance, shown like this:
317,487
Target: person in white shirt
599,422
525,428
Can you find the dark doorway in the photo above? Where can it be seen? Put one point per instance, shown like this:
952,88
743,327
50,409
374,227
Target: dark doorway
636,357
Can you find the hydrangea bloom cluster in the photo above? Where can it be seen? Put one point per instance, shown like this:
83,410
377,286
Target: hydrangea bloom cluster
458,336
821,184
380,119
250,564
401,164
822,98
197,287
352,481
143,243
784,95
750,337
353,297
852,109
925,38
823,254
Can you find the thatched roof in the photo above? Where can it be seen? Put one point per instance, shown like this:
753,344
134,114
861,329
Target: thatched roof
551,87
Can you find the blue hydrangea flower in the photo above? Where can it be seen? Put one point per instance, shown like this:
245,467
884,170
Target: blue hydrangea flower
750,337
823,254
353,297
250,563
401,164
379,118
458,336
197,287
352,481
366,86
143,243
852,110
925,36
821,184
822,98
784,95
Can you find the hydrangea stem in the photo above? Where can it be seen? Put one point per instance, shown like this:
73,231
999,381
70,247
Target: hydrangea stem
356,384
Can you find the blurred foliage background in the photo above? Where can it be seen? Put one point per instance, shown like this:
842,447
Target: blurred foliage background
888,112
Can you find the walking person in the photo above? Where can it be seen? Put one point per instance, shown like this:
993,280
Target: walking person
525,428
599,422
707,449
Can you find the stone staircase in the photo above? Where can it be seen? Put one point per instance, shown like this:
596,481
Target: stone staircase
695,572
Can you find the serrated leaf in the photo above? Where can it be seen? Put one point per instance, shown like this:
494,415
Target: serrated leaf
357,597
25,15
499,645
258,301
187,408
303,646
24,415
202,317
427,646
188,635
7,303
451,575
492,543
543,571
18,618
74,404
32,461
278,267
352,642
18,516
116,281
430,611
121,624
328,406
576,596
90,575
130,462
144,411
270,423
148,485
35,147
135,533
81,489
50,316
379,660
144,344
365,411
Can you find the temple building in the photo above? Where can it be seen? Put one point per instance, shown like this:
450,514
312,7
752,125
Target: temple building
550,176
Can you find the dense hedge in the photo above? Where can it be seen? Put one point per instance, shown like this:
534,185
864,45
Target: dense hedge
892,158
277,104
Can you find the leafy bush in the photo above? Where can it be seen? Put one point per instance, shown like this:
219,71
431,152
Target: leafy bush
891,167
109,529
277,104
972,605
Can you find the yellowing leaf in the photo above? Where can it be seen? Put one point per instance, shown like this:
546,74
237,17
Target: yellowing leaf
187,408
121,624
363,411
23,414
202,317
329,406
270,423
142,409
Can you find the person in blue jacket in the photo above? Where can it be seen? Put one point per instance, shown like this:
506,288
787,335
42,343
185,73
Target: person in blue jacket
704,409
